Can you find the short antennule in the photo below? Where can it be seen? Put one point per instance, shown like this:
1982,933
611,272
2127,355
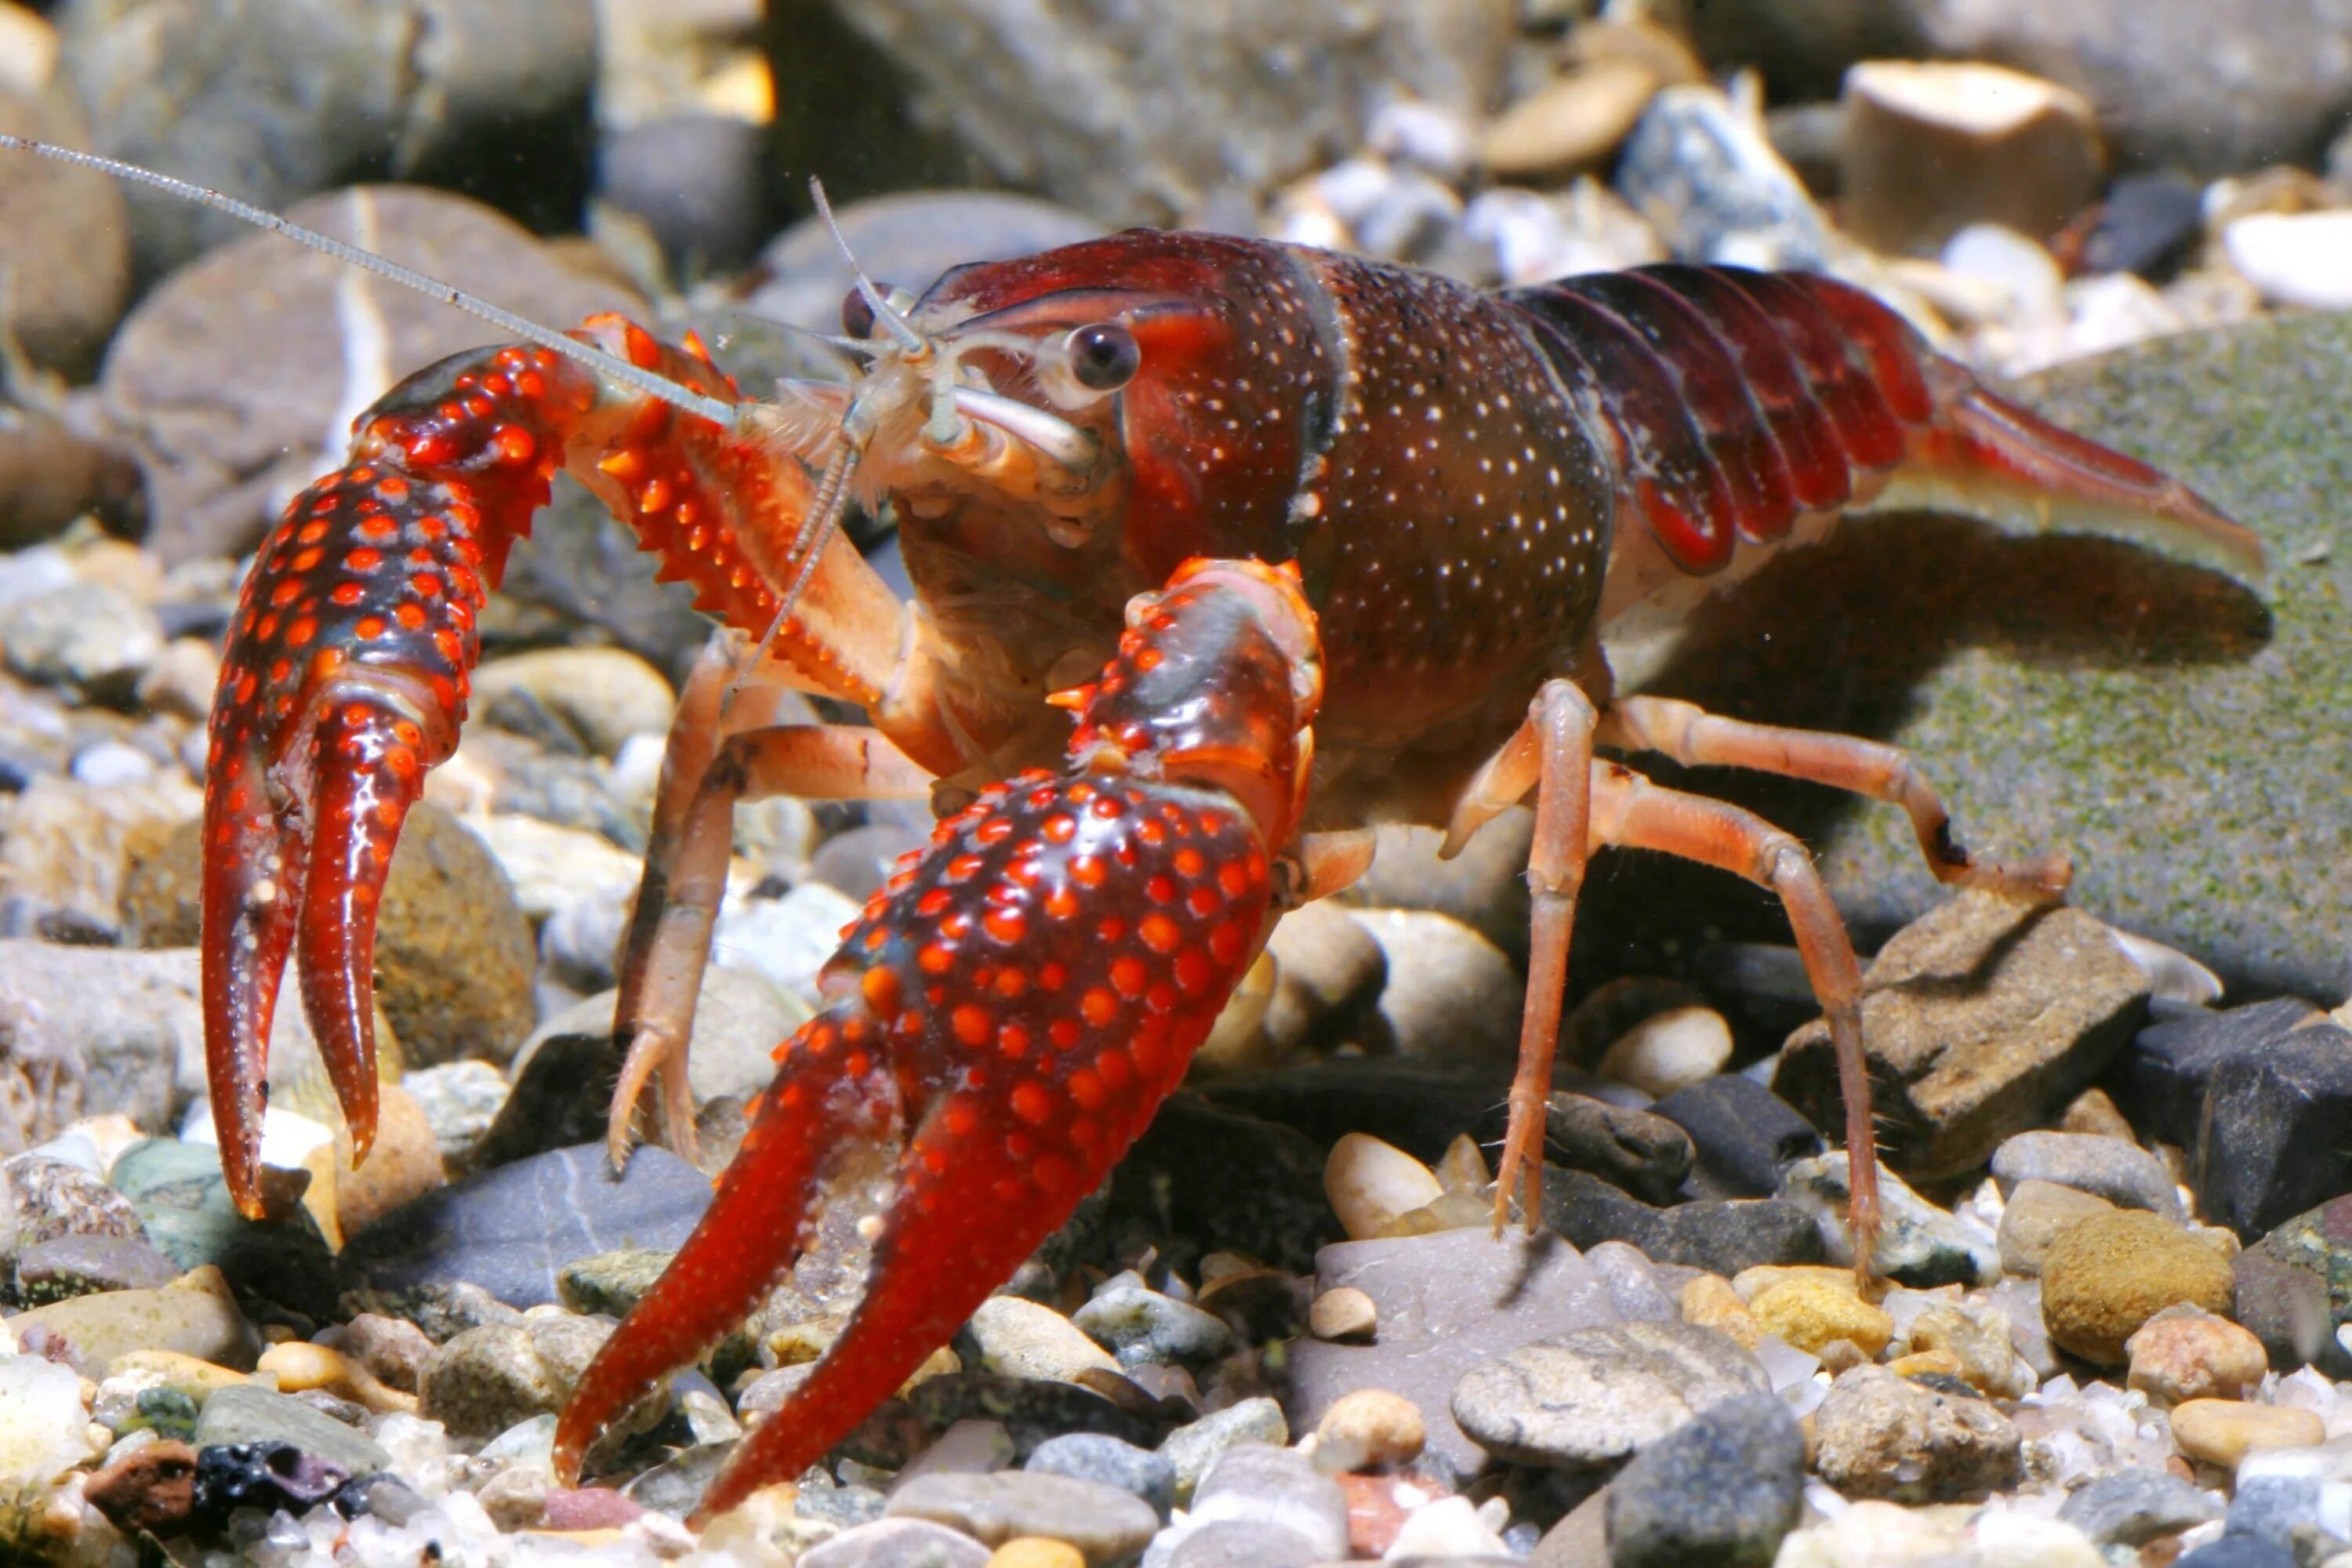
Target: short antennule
605,364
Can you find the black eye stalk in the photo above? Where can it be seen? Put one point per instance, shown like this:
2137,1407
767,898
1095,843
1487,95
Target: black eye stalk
1104,356
857,315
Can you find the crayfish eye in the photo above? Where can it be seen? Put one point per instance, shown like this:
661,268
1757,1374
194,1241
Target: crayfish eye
857,315
1104,356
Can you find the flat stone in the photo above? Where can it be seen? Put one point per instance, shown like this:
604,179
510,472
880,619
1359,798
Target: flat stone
249,1413
511,1230
82,1265
2223,1431
1722,1488
2133,1507
2120,1172
897,1544
1102,1522
195,1315
1594,1395
1274,1489
2033,1217
1721,1236
1447,1302
1980,1019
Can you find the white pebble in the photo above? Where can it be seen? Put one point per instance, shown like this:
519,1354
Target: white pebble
111,762
1370,1183
1672,1050
2295,259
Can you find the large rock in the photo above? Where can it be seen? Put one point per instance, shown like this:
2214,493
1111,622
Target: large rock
2179,734
237,378
69,256
2293,1287
2269,1145
1447,1303
454,954
1139,113
1979,1019
274,100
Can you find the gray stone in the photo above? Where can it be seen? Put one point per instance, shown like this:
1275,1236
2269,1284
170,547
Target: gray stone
460,1102
1144,1327
1634,1287
48,1198
1879,1434
491,1378
2036,1212
1236,1544
1743,1134
2133,1507
1102,1522
1918,1244
1711,184
2111,1168
1594,1395
1980,1019
1277,1489
1139,116
195,1314
248,1413
278,99
182,1202
2041,682
510,1230
1722,1235
2293,1287
1017,1338
1447,1303
1229,1181
897,1544
1645,1154
69,253
1093,1457
1722,1488
2266,1149
85,1265
93,639
2238,1551
1194,1447
234,378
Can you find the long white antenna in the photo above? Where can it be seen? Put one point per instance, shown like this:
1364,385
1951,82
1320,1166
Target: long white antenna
883,311
610,366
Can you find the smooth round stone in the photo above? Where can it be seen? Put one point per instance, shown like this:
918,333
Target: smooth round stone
1235,1545
2106,1276
1018,1338
1595,1396
195,1314
1721,1490
1881,1435
1263,1486
1810,1312
1670,1051
1367,1430
2223,1431
1636,1289
1107,1461
1345,1315
2112,1168
1145,1328
2183,1353
1371,1185
897,1544
1102,1522
1193,1448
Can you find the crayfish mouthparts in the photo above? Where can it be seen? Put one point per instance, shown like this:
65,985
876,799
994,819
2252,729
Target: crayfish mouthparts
1015,1003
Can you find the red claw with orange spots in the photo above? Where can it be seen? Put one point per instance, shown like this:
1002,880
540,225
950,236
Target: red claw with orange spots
1009,1012
346,669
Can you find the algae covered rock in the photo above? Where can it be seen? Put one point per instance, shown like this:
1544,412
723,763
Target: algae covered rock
2179,733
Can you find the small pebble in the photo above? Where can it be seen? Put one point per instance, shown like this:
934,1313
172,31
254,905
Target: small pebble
1881,1435
1193,1448
1019,1338
1809,1313
897,1544
1095,1457
2223,1431
2036,1212
1671,1051
1711,1303
1369,1429
300,1366
1102,1522
1345,1315
1145,1328
2184,1353
1371,1185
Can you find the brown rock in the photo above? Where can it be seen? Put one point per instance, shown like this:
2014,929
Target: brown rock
2225,1431
2106,1276
2093,1111
152,1487
453,957
1979,1017
68,244
1932,148
404,1162
1880,1436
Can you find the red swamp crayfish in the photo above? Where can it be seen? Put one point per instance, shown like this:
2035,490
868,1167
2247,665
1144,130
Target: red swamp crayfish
1097,457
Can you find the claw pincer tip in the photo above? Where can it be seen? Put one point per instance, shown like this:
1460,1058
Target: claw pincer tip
1011,1009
